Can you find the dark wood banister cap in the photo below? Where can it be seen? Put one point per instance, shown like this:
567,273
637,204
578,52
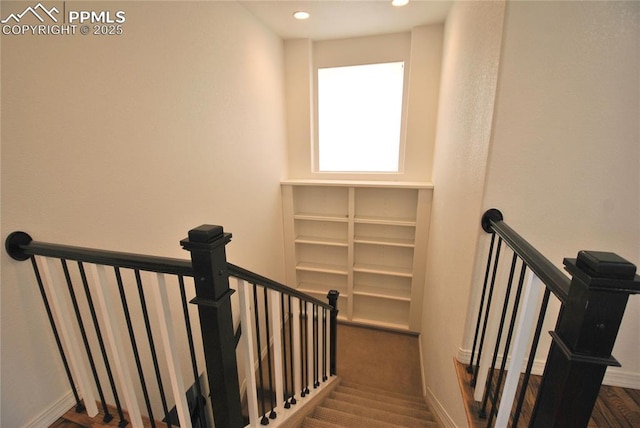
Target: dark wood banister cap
604,271
605,265
205,233
205,236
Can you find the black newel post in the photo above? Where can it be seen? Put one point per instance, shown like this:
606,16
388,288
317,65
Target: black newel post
207,246
583,339
333,329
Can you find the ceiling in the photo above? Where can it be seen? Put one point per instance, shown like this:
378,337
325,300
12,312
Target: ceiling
335,19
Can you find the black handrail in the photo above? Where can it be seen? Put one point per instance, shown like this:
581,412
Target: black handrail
210,270
593,304
255,278
554,279
20,246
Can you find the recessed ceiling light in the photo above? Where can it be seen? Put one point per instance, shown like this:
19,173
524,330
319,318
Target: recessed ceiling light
399,2
301,15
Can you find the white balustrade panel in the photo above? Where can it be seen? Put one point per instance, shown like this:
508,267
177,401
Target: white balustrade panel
276,333
167,335
98,277
54,285
534,288
246,342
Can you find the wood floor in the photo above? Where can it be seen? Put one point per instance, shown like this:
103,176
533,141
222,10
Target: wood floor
72,419
615,408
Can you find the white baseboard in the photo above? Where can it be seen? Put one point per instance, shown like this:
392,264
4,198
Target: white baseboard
53,412
441,413
617,377
613,377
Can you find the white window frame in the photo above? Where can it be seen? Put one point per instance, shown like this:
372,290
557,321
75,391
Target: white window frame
361,52
389,146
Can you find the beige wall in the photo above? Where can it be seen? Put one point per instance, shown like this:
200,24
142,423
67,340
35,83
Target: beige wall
565,158
560,156
126,142
473,34
421,49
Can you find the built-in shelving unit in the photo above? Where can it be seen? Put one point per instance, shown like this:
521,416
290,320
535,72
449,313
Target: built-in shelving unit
367,240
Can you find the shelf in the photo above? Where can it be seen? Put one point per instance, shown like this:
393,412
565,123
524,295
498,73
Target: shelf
323,296
383,270
382,286
321,217
380,293
360,183
323,289
391,242
322,268
331,242
390,312
366,239
390,221
322,282
322,202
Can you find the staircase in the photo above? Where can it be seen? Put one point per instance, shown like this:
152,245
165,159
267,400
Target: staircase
353,405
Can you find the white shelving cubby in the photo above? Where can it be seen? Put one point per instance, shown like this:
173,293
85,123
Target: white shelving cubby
366,239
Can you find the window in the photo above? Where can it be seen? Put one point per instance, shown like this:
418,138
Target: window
360,117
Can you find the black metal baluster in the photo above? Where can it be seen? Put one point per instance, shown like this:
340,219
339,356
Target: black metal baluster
305,348
152,346
134,346
486,315
302,352
264,420
107,365
287,405
505,306
484,289
306,345
272,414
324,345
83,333
316,357
332,297
293,385
512,323
192,352
532,354
79,406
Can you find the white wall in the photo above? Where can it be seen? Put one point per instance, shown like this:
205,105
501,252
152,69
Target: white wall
473,33
565,158
126,142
